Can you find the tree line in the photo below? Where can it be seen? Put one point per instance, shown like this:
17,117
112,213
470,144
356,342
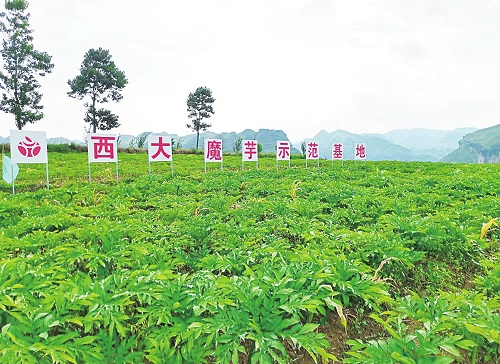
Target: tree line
99,80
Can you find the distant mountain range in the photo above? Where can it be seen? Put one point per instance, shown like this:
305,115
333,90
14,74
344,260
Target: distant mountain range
474,146
402,144
428,142
482,146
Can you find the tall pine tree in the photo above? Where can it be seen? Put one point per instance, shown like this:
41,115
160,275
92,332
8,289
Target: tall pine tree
22,64
102,81
199,107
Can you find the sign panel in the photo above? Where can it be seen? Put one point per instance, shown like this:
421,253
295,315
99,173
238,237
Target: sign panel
337,151
159,148
213,150
102,148
282,150
312,150
28,146
360,151
250,152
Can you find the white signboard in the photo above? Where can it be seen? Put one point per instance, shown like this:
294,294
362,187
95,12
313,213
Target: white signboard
159,148
337,151
312,150
102,148
282,150
28,146
360,151
249,151
213,150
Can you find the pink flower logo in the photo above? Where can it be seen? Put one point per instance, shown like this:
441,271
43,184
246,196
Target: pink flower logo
29,148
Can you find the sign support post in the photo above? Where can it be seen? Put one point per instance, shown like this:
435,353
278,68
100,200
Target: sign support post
47,173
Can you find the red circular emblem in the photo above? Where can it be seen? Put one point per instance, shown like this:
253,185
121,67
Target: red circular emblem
29,148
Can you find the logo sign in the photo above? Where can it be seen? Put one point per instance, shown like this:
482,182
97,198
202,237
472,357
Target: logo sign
28,146
312,150
159,148
102,148
360,151
250,152
213,150
337,151
283,150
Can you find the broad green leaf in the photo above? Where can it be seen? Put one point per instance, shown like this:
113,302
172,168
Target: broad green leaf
450,349
402,359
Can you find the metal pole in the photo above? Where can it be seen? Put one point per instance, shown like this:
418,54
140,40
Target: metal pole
149,166
47,174
90,176
172,168
12,170
116,170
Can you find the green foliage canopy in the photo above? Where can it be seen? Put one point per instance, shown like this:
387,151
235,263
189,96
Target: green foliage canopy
22,64
102,81
199,107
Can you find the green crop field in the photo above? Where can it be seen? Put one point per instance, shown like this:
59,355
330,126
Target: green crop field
376,262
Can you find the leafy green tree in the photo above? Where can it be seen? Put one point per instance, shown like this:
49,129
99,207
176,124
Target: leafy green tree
199,107
237,145
22,64
102,81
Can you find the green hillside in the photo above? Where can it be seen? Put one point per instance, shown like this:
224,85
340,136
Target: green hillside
481,146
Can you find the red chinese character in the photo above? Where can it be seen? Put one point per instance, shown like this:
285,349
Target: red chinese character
250,148
284,150
360,151
214,151
312,150
160,150
337,151
103,147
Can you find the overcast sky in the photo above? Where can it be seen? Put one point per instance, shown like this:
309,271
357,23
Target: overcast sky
297,65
